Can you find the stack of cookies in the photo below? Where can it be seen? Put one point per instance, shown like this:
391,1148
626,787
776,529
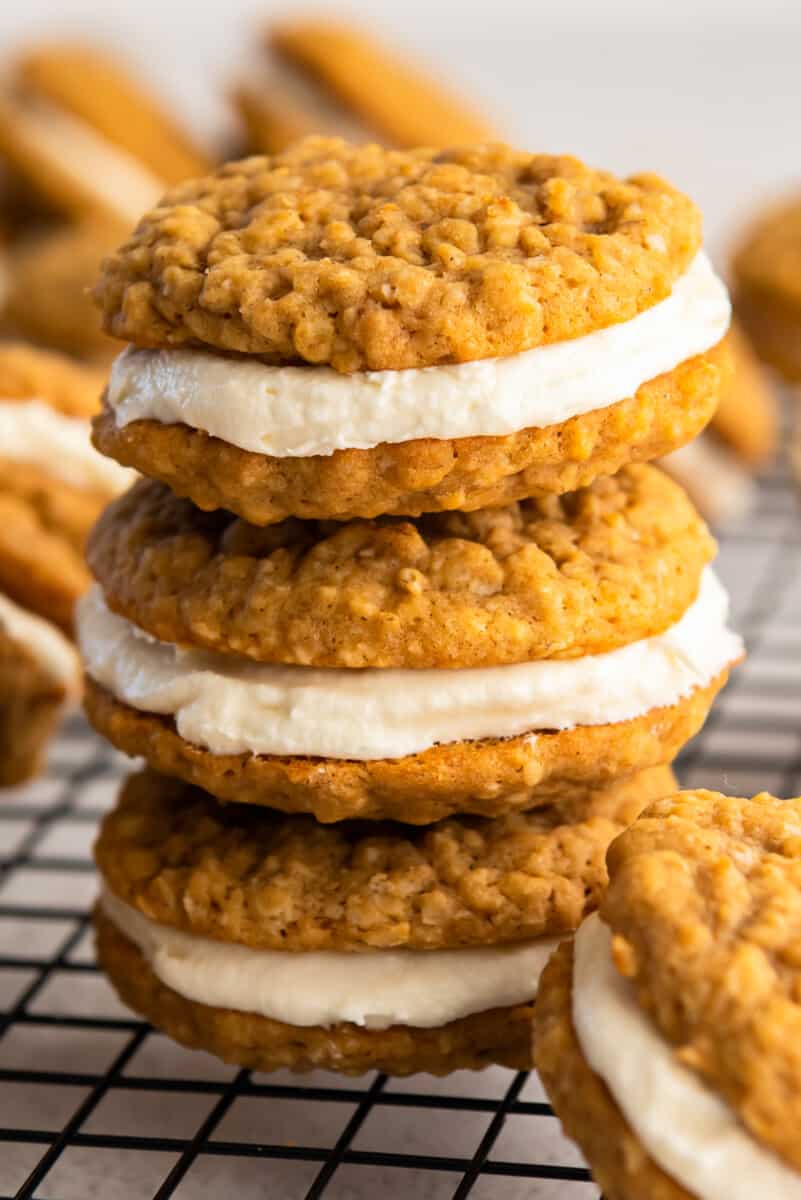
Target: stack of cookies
403,625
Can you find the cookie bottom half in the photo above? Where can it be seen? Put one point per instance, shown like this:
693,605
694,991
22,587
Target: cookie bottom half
501,1035
484,778
429,474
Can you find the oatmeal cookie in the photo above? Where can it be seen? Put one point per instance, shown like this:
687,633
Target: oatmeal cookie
30,373
98,89
559,577
767,287
43,528
365,258
486,778
178,856
588,1112
705,905
31,700
427,474
704,911
500,1035
48,300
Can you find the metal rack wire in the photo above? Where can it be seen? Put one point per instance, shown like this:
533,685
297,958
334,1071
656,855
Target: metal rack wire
93,1102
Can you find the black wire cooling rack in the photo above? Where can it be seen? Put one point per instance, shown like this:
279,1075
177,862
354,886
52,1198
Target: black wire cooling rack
94,1103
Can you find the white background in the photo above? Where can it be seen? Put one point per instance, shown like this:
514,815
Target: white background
708,92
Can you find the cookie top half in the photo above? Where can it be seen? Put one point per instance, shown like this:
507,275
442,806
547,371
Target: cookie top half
554,578
366,258
277,882
705,909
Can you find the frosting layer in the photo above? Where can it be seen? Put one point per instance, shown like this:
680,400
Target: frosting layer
301,411
376,989
687,1130
232,706
31,431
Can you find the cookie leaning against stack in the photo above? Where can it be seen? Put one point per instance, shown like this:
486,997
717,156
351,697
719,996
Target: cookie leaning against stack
328,344
667,1032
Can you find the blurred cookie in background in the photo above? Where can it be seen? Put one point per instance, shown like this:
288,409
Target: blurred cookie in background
766,276
40,675
53,484
87,137
44,296
718,468
327,77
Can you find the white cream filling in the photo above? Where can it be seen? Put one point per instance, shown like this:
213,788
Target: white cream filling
717,482
95,164
231,706
688,1131
31,431
375,989
47,644
301,411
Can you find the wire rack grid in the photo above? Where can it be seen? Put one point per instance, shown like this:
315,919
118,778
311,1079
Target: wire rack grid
94,1103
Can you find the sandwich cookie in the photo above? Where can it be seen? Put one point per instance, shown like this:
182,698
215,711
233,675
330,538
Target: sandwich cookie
87,137
340,80
766,272
272,941
39,674
667,1033
719,466
407,669
340,332
53,484
46,298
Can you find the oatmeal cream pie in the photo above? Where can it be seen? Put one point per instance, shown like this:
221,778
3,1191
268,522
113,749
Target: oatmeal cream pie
84,135
667,1034
53,484
39,674
475,662
330,77
718,467
340,331
273,941
767,286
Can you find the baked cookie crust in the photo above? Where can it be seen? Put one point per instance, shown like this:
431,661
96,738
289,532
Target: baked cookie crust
428,474
767,286
43,527
30,705
273,882
747,417
500,1035
583,1103
559,577
705,906
483,778
29,373
366,258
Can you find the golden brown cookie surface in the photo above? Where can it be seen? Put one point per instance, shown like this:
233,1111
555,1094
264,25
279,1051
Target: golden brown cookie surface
554,578
489,778
588,1112
48,280
767,286
705,908
500,1035
30,703
747,417
178,856
429,475
29,373
365,258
